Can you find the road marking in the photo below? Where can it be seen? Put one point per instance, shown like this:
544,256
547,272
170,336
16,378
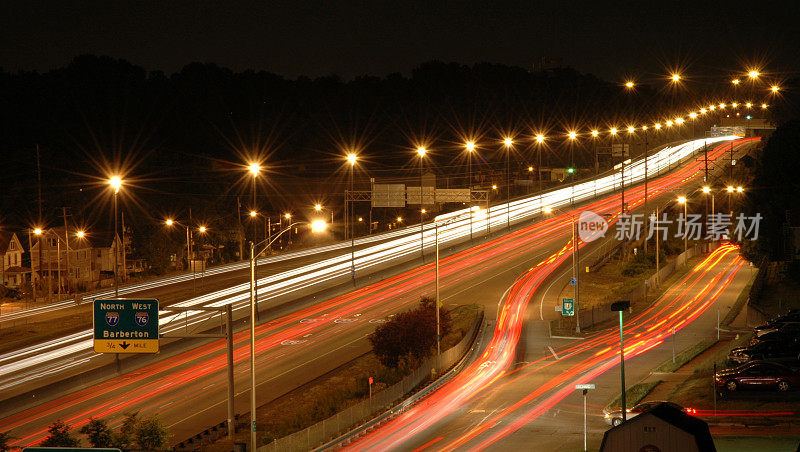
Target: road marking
553,352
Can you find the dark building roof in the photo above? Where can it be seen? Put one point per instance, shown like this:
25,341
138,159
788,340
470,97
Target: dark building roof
677,418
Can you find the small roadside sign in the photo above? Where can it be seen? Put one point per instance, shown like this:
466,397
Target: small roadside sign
567,306
585,386
126,326
573,280
558,308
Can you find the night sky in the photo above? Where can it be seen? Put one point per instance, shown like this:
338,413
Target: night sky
349,38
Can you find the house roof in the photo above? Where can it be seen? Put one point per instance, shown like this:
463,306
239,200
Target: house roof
673,416
5,239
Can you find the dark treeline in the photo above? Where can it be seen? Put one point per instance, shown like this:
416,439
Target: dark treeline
181,140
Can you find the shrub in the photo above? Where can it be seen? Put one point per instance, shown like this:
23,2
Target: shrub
410,334
150,433
98,433
60,436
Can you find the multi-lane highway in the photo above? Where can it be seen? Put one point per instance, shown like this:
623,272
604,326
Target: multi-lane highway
492,404
298,346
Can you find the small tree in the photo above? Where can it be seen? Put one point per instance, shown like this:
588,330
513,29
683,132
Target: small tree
151,434
123,438
409,333
98,433
5,438
60,436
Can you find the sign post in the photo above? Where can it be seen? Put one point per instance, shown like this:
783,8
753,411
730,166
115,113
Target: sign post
126,326
567,306
585,388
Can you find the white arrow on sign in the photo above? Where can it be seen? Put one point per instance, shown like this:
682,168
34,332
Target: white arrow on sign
586,386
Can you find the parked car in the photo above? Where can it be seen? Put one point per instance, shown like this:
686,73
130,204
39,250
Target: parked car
766,351
757,375
613,415
781,336
783,327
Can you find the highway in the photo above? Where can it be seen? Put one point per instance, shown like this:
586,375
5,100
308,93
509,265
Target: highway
495,405
298,346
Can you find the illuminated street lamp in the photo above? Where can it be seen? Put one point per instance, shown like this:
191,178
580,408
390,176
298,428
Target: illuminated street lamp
629,84
775,88
253,213
421,151
595,134
539,141
753,74
116,182
170,222
735,81
507,142
676,78
470,146
682,200
317,226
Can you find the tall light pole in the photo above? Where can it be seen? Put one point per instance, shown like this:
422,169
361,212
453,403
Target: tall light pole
352,158
421,151
682,200
575,264
613,133
170,222
571,170
595,133
317,226
507,142
620,306
116,182
540,141
631,129
470,149
254,169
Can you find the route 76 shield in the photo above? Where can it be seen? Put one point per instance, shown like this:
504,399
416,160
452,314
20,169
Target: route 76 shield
141,318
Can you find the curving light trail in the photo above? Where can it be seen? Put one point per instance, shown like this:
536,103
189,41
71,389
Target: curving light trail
383,297
599,355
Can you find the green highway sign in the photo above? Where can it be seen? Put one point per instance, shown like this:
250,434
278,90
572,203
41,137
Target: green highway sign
126,326
567,306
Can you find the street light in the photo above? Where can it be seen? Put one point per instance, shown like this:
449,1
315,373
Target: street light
421,151
753,74
116,182
572,136
620,306
508,142
775,88
629,84
682,200
170,222
470,145
676,78
595,134
540,140
316,226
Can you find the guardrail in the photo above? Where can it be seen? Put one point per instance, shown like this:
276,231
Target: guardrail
364,411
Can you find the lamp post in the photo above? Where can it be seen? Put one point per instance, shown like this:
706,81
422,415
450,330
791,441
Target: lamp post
317,226
682,200
436,222
351,158
170,222
571,170
507,143
595,133
540,142
470,145
620,306
116,182
421,151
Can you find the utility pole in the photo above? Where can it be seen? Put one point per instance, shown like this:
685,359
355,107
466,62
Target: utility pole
39,184
33,270
66,238
124,266
241,230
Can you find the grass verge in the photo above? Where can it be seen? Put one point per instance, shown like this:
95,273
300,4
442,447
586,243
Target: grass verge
737,306
685,356
634,394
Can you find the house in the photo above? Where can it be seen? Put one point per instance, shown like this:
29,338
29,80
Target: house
662,428
12,273
83,262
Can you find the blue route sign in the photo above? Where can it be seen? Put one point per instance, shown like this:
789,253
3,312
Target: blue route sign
126,326
573,280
